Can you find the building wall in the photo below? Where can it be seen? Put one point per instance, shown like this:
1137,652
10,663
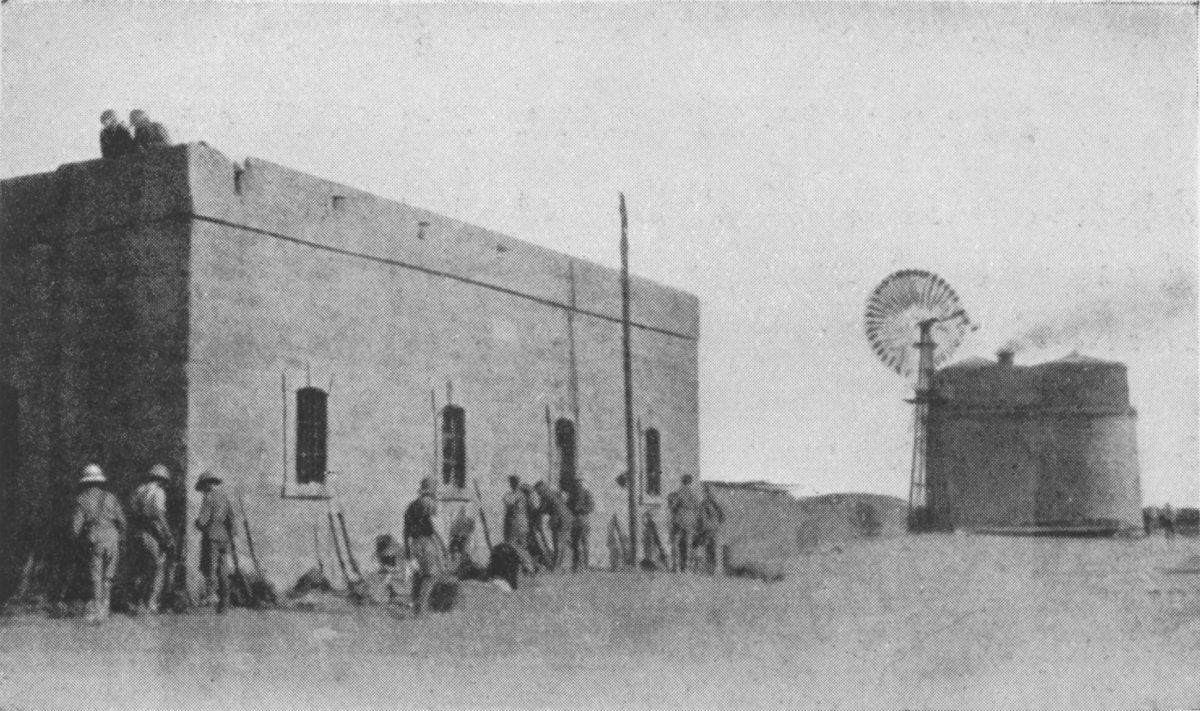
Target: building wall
93,294
283,285
1047,445
152,307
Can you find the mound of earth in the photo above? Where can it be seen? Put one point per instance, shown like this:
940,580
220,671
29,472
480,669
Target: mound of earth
764,522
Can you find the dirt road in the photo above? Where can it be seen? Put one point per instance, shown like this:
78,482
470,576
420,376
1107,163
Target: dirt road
936,621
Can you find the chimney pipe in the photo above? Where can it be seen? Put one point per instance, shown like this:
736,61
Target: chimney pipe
1004,357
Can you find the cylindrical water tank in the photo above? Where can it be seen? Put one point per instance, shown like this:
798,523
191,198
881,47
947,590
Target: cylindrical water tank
1051,448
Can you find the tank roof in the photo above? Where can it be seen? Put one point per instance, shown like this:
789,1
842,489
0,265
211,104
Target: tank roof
972,362
1076,383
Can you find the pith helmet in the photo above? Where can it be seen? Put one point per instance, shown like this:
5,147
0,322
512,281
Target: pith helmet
207,478
93,474
386,545
159,471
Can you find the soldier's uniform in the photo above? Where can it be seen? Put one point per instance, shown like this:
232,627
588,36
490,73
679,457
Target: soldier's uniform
215,523
115,139
422,543
516,523
152,536
98,524
558,518
581,506
712,517
147,134
684,505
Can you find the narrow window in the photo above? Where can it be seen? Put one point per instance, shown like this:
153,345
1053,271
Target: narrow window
311,435
564,439
454,446
653,463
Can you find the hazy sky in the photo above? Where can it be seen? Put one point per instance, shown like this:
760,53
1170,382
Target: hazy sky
778,160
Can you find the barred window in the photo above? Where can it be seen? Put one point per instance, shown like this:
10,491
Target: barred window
653,463
454,446
564,439
312,430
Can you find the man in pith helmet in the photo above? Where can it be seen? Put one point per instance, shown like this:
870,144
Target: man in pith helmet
147,134
557,516
115,139
215,523
581,504
98,524
421,542
152,537
684,507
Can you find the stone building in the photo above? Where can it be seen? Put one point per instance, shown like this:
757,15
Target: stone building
309,341
1047,448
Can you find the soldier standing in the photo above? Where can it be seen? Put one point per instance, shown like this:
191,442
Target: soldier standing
712,517
684,505
115,139
146,133
98,524
421,543
559,520
152,536
516,521
215,524
1166,521
581,506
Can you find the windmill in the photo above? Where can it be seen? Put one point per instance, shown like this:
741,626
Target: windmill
915,322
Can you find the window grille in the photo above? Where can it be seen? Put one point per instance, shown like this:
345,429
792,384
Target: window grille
564,438
653,463
312,429
454,446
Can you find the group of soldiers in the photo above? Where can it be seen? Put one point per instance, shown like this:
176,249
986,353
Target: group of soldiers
696,521
100,525
117,140
530,511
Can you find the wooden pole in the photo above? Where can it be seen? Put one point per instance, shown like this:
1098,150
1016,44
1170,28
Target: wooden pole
283,381
627,357
573,374
550,452
433,411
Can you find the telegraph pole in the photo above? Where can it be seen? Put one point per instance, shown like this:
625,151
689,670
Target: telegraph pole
630,476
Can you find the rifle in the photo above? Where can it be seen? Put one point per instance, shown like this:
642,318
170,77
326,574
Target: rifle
349,550
487,536
264,591
240,587
652,532
249,538
337,547
317,549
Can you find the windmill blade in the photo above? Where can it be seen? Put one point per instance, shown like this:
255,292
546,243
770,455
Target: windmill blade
895,310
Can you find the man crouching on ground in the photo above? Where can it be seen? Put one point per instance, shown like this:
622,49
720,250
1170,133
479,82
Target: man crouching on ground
421,543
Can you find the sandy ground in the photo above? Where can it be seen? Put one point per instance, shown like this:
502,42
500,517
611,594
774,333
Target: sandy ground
931,622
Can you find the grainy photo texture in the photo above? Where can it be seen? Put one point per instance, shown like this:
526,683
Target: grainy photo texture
649,355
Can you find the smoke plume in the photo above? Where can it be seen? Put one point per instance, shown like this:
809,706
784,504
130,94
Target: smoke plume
1126,311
